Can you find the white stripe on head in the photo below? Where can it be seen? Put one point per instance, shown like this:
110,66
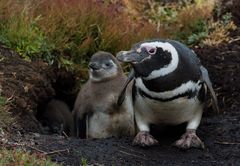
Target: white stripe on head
188,86
168,68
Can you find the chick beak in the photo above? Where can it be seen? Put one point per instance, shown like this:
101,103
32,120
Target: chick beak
93,66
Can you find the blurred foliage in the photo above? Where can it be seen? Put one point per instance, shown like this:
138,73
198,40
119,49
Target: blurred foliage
189,21
219,30
20,31
68,32
84,162
3,101
21,157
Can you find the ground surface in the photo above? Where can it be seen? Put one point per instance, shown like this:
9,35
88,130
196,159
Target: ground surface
220,133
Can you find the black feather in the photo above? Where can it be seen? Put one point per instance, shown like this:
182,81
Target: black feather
206,80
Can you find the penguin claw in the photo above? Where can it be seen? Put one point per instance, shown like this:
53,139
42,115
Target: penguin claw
144,139
188,140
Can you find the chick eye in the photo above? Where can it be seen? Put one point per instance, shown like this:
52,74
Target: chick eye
108,64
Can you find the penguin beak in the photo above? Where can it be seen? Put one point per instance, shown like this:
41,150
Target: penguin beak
93,66
128,56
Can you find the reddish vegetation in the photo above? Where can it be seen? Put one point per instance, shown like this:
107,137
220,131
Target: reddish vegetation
103,22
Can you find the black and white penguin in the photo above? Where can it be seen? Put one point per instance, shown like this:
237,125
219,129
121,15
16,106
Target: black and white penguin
170,86
96,112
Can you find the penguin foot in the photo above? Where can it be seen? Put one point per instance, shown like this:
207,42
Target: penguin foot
188,140
144,139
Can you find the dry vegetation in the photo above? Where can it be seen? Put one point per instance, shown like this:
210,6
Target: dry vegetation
23,158
67,31
70,31
191,22
5,117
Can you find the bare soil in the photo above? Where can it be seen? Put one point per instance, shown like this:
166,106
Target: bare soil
220,133
25,85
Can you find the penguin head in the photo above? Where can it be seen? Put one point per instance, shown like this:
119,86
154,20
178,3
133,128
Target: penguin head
151,58
103,66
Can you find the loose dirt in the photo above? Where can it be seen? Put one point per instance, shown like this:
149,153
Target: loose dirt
220,133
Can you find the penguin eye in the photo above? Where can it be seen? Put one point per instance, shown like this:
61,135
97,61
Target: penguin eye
151,50
108,64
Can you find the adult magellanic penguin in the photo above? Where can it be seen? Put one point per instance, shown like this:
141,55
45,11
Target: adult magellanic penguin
170,86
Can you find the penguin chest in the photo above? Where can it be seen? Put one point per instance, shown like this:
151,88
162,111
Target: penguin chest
111,122
176,111
105,104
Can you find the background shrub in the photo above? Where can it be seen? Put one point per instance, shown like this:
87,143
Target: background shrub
68,32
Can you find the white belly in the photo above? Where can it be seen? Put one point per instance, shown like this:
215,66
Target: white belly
172,112
102,124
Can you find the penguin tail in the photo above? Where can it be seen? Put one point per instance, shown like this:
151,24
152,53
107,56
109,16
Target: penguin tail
205,78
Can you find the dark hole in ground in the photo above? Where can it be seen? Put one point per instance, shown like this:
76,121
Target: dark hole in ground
56,119
64,87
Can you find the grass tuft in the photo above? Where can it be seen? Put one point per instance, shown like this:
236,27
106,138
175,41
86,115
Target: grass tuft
6,119
20,157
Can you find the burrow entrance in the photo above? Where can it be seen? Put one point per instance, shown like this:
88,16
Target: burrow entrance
55,113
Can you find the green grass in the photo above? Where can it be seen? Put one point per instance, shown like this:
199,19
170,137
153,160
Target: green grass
84,162
26,38
3,101
5,117
23,158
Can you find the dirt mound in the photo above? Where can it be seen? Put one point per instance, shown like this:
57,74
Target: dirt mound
30,86
25,84
223,64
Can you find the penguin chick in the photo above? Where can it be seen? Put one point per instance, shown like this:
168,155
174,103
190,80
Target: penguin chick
58,117
170,86
96,112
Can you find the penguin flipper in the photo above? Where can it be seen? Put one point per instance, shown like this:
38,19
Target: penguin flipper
122,95
205,78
